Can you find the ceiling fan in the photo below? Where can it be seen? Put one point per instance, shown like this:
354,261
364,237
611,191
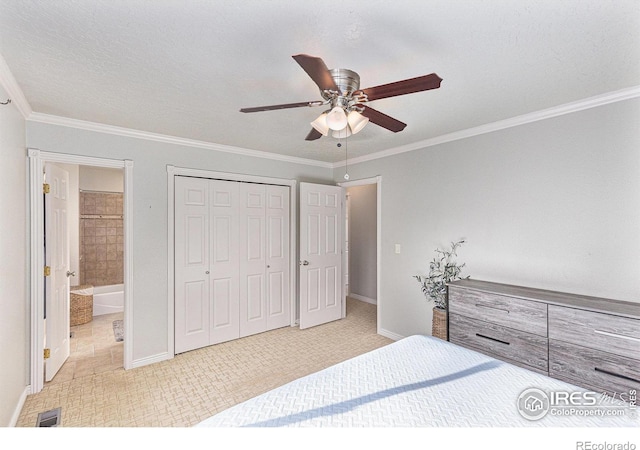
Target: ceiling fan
340,90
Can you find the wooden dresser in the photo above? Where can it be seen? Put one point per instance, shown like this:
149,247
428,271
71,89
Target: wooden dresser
586,341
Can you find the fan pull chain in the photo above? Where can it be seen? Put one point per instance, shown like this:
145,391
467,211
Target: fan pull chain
346,158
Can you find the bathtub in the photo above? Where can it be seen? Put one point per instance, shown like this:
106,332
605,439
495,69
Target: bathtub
108,299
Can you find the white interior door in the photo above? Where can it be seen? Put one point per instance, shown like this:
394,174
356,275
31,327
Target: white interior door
320,254
253,261
225,258
57,258
278,257
264,258
191,264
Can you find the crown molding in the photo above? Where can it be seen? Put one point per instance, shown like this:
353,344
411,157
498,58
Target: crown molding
580,105
12,87
567,108
138,134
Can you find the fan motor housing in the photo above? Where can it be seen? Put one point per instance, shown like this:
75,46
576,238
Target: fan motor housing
347,81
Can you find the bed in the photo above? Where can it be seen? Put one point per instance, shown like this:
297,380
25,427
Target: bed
421,381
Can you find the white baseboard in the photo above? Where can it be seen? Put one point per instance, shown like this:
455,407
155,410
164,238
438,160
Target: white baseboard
390,334
362,298
150,360
16,412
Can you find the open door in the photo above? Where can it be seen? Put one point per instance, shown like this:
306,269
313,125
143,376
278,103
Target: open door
57,263
321,243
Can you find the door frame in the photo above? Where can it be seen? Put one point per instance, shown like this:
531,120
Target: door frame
36,161
172,172
377,180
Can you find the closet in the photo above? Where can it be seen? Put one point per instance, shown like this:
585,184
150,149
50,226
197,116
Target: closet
232,260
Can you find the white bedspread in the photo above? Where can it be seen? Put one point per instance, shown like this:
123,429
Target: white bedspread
418,381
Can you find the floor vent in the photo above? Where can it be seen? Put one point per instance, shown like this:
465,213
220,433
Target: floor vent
49,418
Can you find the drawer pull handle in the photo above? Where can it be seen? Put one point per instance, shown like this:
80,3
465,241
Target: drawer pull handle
492,339
615,335
613,374
480,305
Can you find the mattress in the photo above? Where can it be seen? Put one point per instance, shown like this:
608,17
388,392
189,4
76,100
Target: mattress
421,381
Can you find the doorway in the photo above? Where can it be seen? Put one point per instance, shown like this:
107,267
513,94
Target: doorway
361,269
37,161
95,292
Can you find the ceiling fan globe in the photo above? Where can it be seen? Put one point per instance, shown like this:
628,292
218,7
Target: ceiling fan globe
337,118
356,121
341,134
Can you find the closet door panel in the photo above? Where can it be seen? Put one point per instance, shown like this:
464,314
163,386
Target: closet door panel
255,296
224,278
191,264
223,309
253,318
278,260
195,308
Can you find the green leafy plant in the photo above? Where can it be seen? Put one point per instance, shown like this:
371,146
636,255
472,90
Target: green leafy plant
443,269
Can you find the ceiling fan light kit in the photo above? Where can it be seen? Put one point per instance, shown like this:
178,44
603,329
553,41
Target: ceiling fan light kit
320,124
336,119
341,134
356,121
340,89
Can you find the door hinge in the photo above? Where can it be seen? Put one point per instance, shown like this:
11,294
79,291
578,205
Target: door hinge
47,271
46,188
47,353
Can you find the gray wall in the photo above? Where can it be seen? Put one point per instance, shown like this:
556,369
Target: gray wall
14,329
363,240
553,204
150,321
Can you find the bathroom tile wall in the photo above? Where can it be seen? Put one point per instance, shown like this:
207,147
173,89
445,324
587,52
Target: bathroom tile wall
101,238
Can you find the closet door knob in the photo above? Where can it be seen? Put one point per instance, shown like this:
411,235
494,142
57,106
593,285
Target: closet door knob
304,263
207,272
71,274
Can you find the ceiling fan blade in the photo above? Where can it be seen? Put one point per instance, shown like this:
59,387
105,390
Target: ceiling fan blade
317,70
418,84
283,106
313,135
382,120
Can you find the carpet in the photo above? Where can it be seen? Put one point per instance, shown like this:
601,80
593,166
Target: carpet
118,330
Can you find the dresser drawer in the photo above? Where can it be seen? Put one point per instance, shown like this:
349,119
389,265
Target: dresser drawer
525,315
526,349
593,369
600,331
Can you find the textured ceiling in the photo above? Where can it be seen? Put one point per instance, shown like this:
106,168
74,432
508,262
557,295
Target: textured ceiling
184,68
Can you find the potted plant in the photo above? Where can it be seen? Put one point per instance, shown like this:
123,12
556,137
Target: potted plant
443,269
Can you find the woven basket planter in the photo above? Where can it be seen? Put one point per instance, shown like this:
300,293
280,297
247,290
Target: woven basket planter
439,324
81,308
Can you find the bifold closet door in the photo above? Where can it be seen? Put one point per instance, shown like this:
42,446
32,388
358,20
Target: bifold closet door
253,261
225,261
264,258
278,250
232,260
206,263
191,264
